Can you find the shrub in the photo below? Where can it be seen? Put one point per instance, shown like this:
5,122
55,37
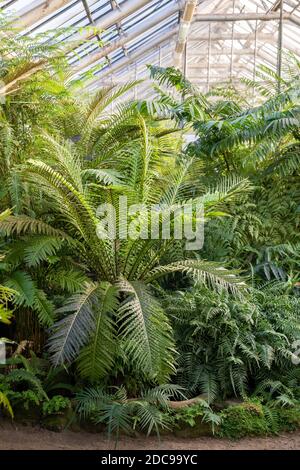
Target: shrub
56,404
247,419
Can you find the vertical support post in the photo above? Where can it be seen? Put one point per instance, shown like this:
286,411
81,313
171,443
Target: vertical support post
208,57
255,55
185,59
232,34
279,47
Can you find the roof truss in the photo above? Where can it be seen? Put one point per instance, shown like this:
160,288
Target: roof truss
226,37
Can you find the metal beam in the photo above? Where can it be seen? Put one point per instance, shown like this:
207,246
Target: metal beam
294,19
237,36
212,66
240,17
208,56
270,16
126,61
254,59
89,16
128,7
35,12
218,52
104,79
258,31
259,28
280,39
198,80
134,33
232,35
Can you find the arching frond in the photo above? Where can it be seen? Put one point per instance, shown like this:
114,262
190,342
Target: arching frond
97,358
146,331
202,271
71,333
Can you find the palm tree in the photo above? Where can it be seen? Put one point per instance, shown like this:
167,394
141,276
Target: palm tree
37,94
116,311
87,157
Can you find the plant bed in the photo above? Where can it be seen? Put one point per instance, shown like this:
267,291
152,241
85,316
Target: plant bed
59,421
238,421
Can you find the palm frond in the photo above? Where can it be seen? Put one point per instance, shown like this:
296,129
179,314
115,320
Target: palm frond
146,331
202,271
72,332
97,358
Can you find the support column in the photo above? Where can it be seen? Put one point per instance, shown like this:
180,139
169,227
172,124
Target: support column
232,36
254,58
280,38
208,57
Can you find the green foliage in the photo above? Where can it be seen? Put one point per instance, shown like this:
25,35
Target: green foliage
289,418
191,414
22,283
29,384
119,312
229,345
25,399
122,317
6,295
56,404
262,144
147,413
253,418
244,420
5,403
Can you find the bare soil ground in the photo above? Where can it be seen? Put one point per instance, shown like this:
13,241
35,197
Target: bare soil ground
15,437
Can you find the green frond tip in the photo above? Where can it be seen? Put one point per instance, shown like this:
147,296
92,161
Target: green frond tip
23,224
67,279
202,271
44,308
4,215
4,401
40,248
22,283
5,315
114,408
6,294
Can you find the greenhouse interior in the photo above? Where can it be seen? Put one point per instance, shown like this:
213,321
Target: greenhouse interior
149,226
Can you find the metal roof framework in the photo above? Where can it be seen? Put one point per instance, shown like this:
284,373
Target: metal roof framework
212,41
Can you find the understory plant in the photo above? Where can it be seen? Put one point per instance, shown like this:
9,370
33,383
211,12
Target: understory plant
112,407
253,418
229,346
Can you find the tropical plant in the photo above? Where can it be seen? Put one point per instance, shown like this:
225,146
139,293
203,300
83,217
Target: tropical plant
258,142
56,404
150,412
124,315
6,294
4,401
117,300
38,95
229,346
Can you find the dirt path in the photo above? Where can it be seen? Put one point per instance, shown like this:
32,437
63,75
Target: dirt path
15,437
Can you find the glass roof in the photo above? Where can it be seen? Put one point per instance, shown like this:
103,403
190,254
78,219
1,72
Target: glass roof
125,35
